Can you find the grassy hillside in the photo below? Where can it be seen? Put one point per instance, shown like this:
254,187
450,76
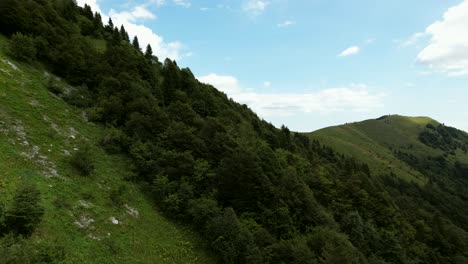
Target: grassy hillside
101,218
375,142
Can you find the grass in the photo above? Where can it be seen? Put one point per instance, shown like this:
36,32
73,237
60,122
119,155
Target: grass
38,132
374,141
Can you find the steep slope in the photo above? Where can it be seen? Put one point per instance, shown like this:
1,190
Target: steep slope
101,218
376,141
422,163
256,193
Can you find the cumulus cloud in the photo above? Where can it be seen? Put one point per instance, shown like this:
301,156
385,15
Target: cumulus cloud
350,51
138,13
447,50
286,24
92,3
266,83
355,97
132,21
227,84
413,39
255,7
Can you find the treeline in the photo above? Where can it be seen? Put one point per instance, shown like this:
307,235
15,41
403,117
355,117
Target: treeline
258,194
445,138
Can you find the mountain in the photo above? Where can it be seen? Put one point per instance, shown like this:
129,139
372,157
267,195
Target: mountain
91,219
127,133
418,159
383,142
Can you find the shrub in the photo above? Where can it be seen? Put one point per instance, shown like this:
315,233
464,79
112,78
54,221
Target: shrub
22,47
54,86
82,160
114,141
79,96
26,211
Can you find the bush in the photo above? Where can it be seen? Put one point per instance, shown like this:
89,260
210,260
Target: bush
114,141
54,86
82,160
22,48
26,211
18,250
79,96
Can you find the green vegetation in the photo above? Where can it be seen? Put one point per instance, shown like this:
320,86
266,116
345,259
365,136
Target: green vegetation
428,174
38,137
373,142
255,193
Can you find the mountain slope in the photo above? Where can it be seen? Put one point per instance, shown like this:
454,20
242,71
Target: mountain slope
39,133
375,142
417,159
256,193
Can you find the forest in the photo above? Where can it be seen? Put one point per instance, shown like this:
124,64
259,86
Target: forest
256,193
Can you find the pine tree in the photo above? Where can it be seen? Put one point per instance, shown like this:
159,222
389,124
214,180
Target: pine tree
135,43
124,34
110,25
26,212
87,12
149,52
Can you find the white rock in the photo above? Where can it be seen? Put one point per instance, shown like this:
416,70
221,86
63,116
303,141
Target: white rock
114,220
84,222
85,204
132,211
11,65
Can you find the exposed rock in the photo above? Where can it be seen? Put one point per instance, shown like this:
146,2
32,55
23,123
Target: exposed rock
11,64
114,220
132,211
85,222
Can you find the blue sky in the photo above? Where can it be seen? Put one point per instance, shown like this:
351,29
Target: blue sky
309,64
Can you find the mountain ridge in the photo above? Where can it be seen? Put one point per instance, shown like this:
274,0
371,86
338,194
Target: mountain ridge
254,192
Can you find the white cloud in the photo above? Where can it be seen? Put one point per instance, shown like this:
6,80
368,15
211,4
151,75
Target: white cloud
286,24
138,13
350,51
92,3
183,3
266,83
145,34
355,97
447,51
255,7
224,83
132,22
158,2
413,39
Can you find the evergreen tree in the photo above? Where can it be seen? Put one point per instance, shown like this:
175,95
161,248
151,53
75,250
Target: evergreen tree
149,52
136,44
110,25
87,12
124,34
26,211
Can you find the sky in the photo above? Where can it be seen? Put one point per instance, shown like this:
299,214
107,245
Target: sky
310,64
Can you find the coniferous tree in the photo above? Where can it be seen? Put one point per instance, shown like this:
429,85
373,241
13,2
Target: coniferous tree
87,12
149,52
26,211
110,25
124,34
136,44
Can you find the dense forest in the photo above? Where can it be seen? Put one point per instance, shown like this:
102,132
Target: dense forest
257,194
